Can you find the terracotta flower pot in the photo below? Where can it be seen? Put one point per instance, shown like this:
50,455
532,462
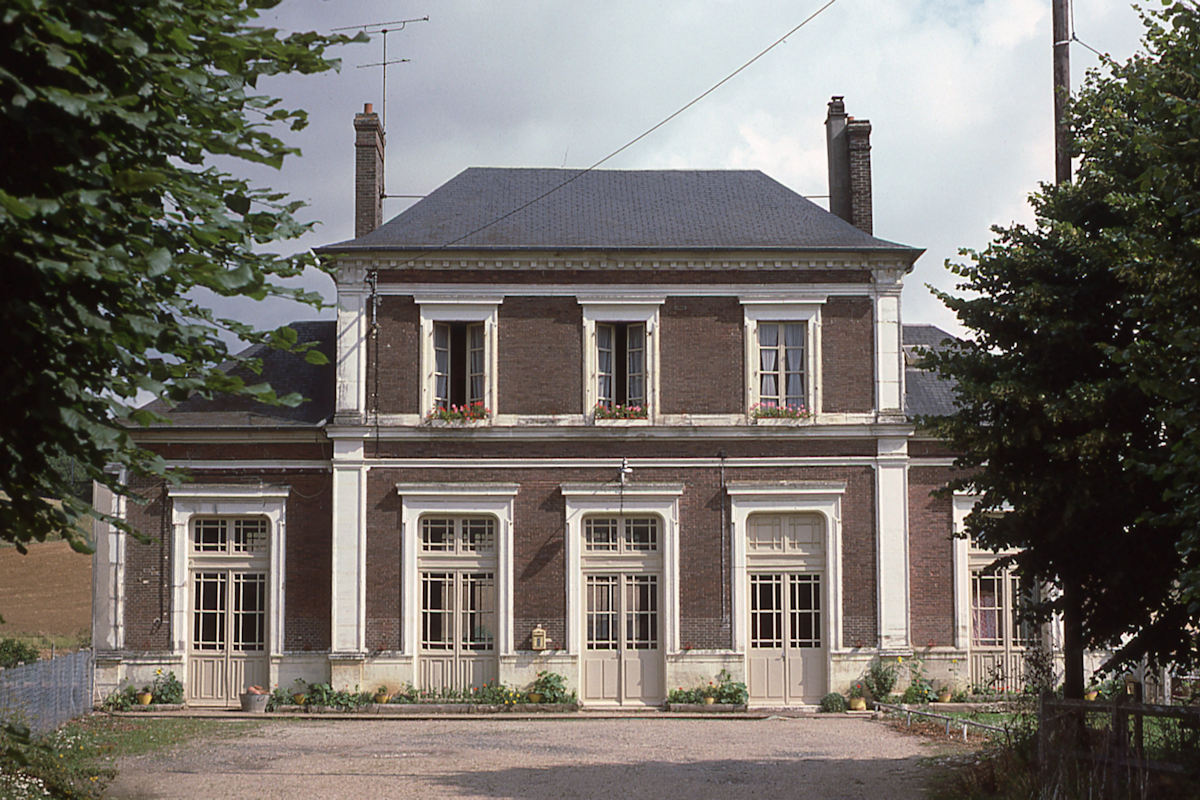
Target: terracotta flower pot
858,704
145,698
382,698
708,701
535,697
944,696
299,699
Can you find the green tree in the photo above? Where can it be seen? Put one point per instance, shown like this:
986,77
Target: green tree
112,216
1073,387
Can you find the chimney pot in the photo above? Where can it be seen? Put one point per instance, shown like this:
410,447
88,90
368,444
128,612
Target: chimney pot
848,142
368,171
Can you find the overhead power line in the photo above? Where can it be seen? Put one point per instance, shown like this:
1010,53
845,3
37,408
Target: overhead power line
645,133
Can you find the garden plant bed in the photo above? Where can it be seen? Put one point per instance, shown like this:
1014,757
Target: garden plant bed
140,709
706,708
419,709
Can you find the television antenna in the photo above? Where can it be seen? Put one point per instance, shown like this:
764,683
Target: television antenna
383,28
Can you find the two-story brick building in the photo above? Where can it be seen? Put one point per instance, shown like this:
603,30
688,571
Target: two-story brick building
685,447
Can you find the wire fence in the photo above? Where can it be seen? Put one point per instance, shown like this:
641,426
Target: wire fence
45,694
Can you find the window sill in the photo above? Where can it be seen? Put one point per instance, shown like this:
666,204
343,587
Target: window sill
458,423
621,423
782,422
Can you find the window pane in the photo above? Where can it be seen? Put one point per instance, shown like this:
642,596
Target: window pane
478,611
208,621
249,535
641,533
605,336
601,612
209,535
249,611
641,612
479,535
600,534
437,535
475,378
985,609
436,611
766,610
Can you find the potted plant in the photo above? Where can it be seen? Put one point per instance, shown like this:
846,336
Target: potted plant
945,694
709,693
857,701
549,687
382,695
145,696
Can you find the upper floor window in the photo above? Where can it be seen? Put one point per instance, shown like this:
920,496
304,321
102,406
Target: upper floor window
620,358
458,364
782,355
458,356
781,362
621,364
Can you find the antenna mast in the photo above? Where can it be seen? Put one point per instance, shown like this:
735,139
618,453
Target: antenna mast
382,27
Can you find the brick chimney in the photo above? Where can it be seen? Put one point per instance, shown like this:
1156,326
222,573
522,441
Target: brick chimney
368,172
849,149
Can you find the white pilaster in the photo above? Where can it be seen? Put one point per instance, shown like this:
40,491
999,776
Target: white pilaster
891,553
963,503
352,325
108,572
348,592
889,361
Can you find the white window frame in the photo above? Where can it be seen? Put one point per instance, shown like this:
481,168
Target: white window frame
438,309
419,500
802,497
640,310
607,499
188,502
806,311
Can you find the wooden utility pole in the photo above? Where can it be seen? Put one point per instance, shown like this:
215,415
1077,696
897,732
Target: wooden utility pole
1062,91
1072,599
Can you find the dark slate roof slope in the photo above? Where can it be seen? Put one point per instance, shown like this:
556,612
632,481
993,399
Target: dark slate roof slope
616,209
286,372
925,392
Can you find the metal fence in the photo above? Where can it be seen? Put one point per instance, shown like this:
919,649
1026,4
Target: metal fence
46,694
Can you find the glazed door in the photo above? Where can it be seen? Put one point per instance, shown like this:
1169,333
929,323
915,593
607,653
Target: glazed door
458,623
622,660
227,648
786,659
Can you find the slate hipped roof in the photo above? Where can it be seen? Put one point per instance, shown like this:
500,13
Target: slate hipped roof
616,209
925,393
285,372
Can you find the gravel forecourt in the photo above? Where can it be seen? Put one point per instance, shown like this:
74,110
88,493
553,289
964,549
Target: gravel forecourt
575,757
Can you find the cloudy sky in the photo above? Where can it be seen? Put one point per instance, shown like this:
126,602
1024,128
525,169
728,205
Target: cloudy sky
958,93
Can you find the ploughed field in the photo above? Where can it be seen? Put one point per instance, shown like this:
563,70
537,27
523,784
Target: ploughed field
46,592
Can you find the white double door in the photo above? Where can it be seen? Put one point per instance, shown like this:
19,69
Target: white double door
787,656
458,624
622,657
227,642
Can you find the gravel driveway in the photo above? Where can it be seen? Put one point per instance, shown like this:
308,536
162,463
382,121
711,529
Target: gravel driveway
578,757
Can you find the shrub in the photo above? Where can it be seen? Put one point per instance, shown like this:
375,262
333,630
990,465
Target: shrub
833,703
880,678
14,652
166,688
552,687
32,766
724,689
121,699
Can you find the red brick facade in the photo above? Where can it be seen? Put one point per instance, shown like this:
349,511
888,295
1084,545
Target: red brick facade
931,557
